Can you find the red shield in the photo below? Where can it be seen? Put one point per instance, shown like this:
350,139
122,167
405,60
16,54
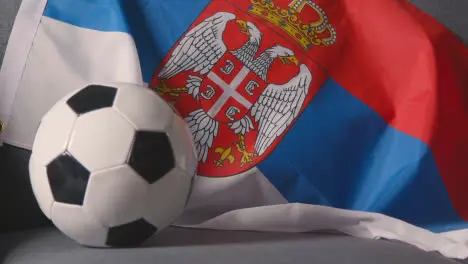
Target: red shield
228,92
224,96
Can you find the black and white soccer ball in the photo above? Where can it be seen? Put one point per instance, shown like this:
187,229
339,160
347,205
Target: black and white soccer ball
112,165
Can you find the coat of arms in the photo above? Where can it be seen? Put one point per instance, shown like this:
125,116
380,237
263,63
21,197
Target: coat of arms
241,79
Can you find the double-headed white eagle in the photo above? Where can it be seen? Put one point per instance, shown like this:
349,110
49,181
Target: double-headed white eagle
276,108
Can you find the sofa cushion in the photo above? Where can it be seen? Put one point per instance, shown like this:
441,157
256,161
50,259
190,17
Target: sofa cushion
8,10
179,245
18,206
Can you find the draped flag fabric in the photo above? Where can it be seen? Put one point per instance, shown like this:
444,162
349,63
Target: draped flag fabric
308,115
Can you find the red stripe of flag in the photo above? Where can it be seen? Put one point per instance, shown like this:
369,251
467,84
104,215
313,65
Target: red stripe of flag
412,71
402,63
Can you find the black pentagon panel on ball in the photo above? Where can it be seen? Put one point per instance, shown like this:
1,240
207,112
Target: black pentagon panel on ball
131,234
68,179
152,156
92,98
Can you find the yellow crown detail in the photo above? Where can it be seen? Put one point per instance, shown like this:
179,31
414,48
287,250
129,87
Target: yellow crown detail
318,32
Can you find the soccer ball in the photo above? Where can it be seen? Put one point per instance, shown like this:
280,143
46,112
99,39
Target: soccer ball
112,165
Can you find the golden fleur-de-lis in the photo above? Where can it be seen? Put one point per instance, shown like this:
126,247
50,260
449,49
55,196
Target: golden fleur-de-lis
224,155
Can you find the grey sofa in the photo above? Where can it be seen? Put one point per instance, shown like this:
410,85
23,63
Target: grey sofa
48,246
26,236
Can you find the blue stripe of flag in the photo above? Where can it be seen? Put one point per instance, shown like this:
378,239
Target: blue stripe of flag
102,15
341,153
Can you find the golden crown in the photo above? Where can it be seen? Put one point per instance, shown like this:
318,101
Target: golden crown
318,32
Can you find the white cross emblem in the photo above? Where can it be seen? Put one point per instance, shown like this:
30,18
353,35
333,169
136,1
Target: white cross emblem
229,90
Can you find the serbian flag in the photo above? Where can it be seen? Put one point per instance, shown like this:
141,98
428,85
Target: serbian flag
307,115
